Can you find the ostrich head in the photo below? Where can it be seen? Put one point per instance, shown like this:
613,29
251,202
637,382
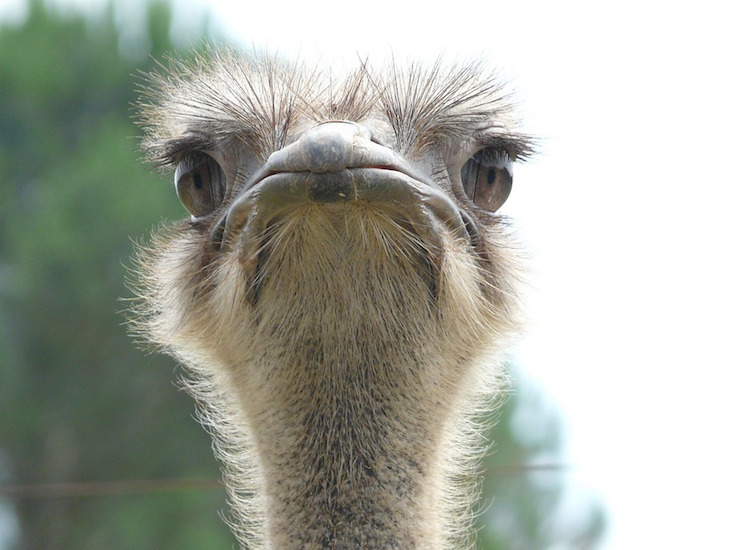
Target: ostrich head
340,291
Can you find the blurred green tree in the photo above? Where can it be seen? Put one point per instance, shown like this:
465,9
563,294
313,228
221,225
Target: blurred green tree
529,499
78,401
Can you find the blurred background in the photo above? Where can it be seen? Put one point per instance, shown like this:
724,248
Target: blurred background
88,423
616,432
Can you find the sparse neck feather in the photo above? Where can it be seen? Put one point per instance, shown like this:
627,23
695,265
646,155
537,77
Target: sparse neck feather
350,377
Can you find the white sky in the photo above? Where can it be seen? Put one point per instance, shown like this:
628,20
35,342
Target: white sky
626,211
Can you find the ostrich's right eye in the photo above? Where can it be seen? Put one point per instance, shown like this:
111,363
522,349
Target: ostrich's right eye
200,184
487,179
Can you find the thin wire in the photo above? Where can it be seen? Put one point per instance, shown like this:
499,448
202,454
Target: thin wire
107,488
152,486
519,469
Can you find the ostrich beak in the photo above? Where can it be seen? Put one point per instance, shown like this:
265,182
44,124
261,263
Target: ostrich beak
338,162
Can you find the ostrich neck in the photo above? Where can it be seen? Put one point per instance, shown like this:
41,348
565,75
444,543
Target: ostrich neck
347,397
346,466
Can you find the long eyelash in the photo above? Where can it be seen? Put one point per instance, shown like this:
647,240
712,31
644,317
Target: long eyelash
167,153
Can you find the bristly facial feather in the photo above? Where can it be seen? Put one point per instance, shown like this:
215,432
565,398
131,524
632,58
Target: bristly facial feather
221,96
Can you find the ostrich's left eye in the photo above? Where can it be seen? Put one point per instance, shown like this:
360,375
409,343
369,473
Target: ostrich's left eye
487,179
200,184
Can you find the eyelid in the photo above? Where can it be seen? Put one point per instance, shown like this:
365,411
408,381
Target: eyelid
189,144
517,147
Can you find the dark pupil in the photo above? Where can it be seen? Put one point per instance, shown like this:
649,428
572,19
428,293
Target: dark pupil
491,176
197,181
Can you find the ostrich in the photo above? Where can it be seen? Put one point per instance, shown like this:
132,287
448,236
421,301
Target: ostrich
342,289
